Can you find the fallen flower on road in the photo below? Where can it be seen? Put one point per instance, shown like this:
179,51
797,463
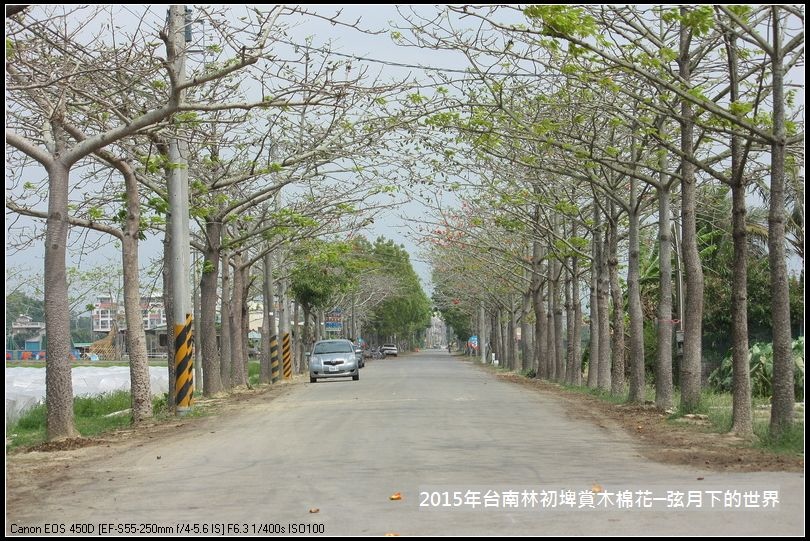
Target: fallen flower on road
395,496
314,510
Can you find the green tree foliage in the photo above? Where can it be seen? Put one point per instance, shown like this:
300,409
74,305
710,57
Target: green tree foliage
716,245
453,313
322,270
19,303
407,309
760,358
326,273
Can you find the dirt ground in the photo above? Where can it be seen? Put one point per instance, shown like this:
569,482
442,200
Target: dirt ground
687,442
30,471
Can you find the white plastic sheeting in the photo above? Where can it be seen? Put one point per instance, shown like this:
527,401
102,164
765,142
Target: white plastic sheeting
25,387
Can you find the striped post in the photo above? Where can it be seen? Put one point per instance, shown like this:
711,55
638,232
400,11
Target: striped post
286,355
274,372
184,366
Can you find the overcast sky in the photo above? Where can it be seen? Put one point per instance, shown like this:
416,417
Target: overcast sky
379,51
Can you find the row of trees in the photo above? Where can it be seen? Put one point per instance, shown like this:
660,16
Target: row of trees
576,138
591,139
374,283
281,143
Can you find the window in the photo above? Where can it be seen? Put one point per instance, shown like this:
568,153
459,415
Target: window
323,348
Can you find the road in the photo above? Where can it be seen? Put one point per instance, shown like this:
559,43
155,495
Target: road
424,423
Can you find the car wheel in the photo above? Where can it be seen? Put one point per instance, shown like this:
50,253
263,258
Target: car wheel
312,380
357,377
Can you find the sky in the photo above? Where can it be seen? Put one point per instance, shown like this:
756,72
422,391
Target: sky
378,50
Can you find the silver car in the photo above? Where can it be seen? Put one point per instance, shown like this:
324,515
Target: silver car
333,359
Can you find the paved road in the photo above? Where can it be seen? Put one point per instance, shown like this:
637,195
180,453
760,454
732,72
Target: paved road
422,423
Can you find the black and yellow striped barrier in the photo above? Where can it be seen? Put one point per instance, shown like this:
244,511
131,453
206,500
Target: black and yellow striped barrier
184,365
274,372
286,355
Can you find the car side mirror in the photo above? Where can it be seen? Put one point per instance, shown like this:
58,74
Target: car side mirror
307,354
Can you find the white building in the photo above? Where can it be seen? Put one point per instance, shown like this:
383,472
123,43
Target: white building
109,309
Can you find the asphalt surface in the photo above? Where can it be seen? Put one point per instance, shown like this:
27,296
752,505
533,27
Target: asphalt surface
435,429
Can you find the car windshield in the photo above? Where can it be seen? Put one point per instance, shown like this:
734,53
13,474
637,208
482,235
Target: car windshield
322,348
389,346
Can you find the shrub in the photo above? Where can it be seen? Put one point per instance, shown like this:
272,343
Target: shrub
760,359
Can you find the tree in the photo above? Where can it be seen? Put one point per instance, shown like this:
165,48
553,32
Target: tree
44,84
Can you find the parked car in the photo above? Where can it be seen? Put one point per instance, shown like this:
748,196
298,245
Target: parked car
390,349
333,359
358,351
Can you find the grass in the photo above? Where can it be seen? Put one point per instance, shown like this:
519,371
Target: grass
89,414
253,372
791,442
90,417
718,410
602,394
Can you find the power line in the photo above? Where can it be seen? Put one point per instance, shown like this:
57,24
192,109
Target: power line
403,64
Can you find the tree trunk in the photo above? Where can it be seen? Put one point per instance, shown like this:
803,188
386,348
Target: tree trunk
305,339
296,349
693,327
482,333
199,379
517,364
168,305
526,338
540,351
559,352
500,354
783,391
602,292
510,329
212,382
742,420
238,374
569,330
58,377
576,336
225,324
617,346
136,338
593,354
268,318
551,335
637,376
493,325
283,322
245,272
507,340
663,367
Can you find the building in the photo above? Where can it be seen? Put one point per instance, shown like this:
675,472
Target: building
31,331
109,309
153,312
105,312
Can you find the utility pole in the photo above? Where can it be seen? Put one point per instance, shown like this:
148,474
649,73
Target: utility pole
182,320
679,294
354,322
